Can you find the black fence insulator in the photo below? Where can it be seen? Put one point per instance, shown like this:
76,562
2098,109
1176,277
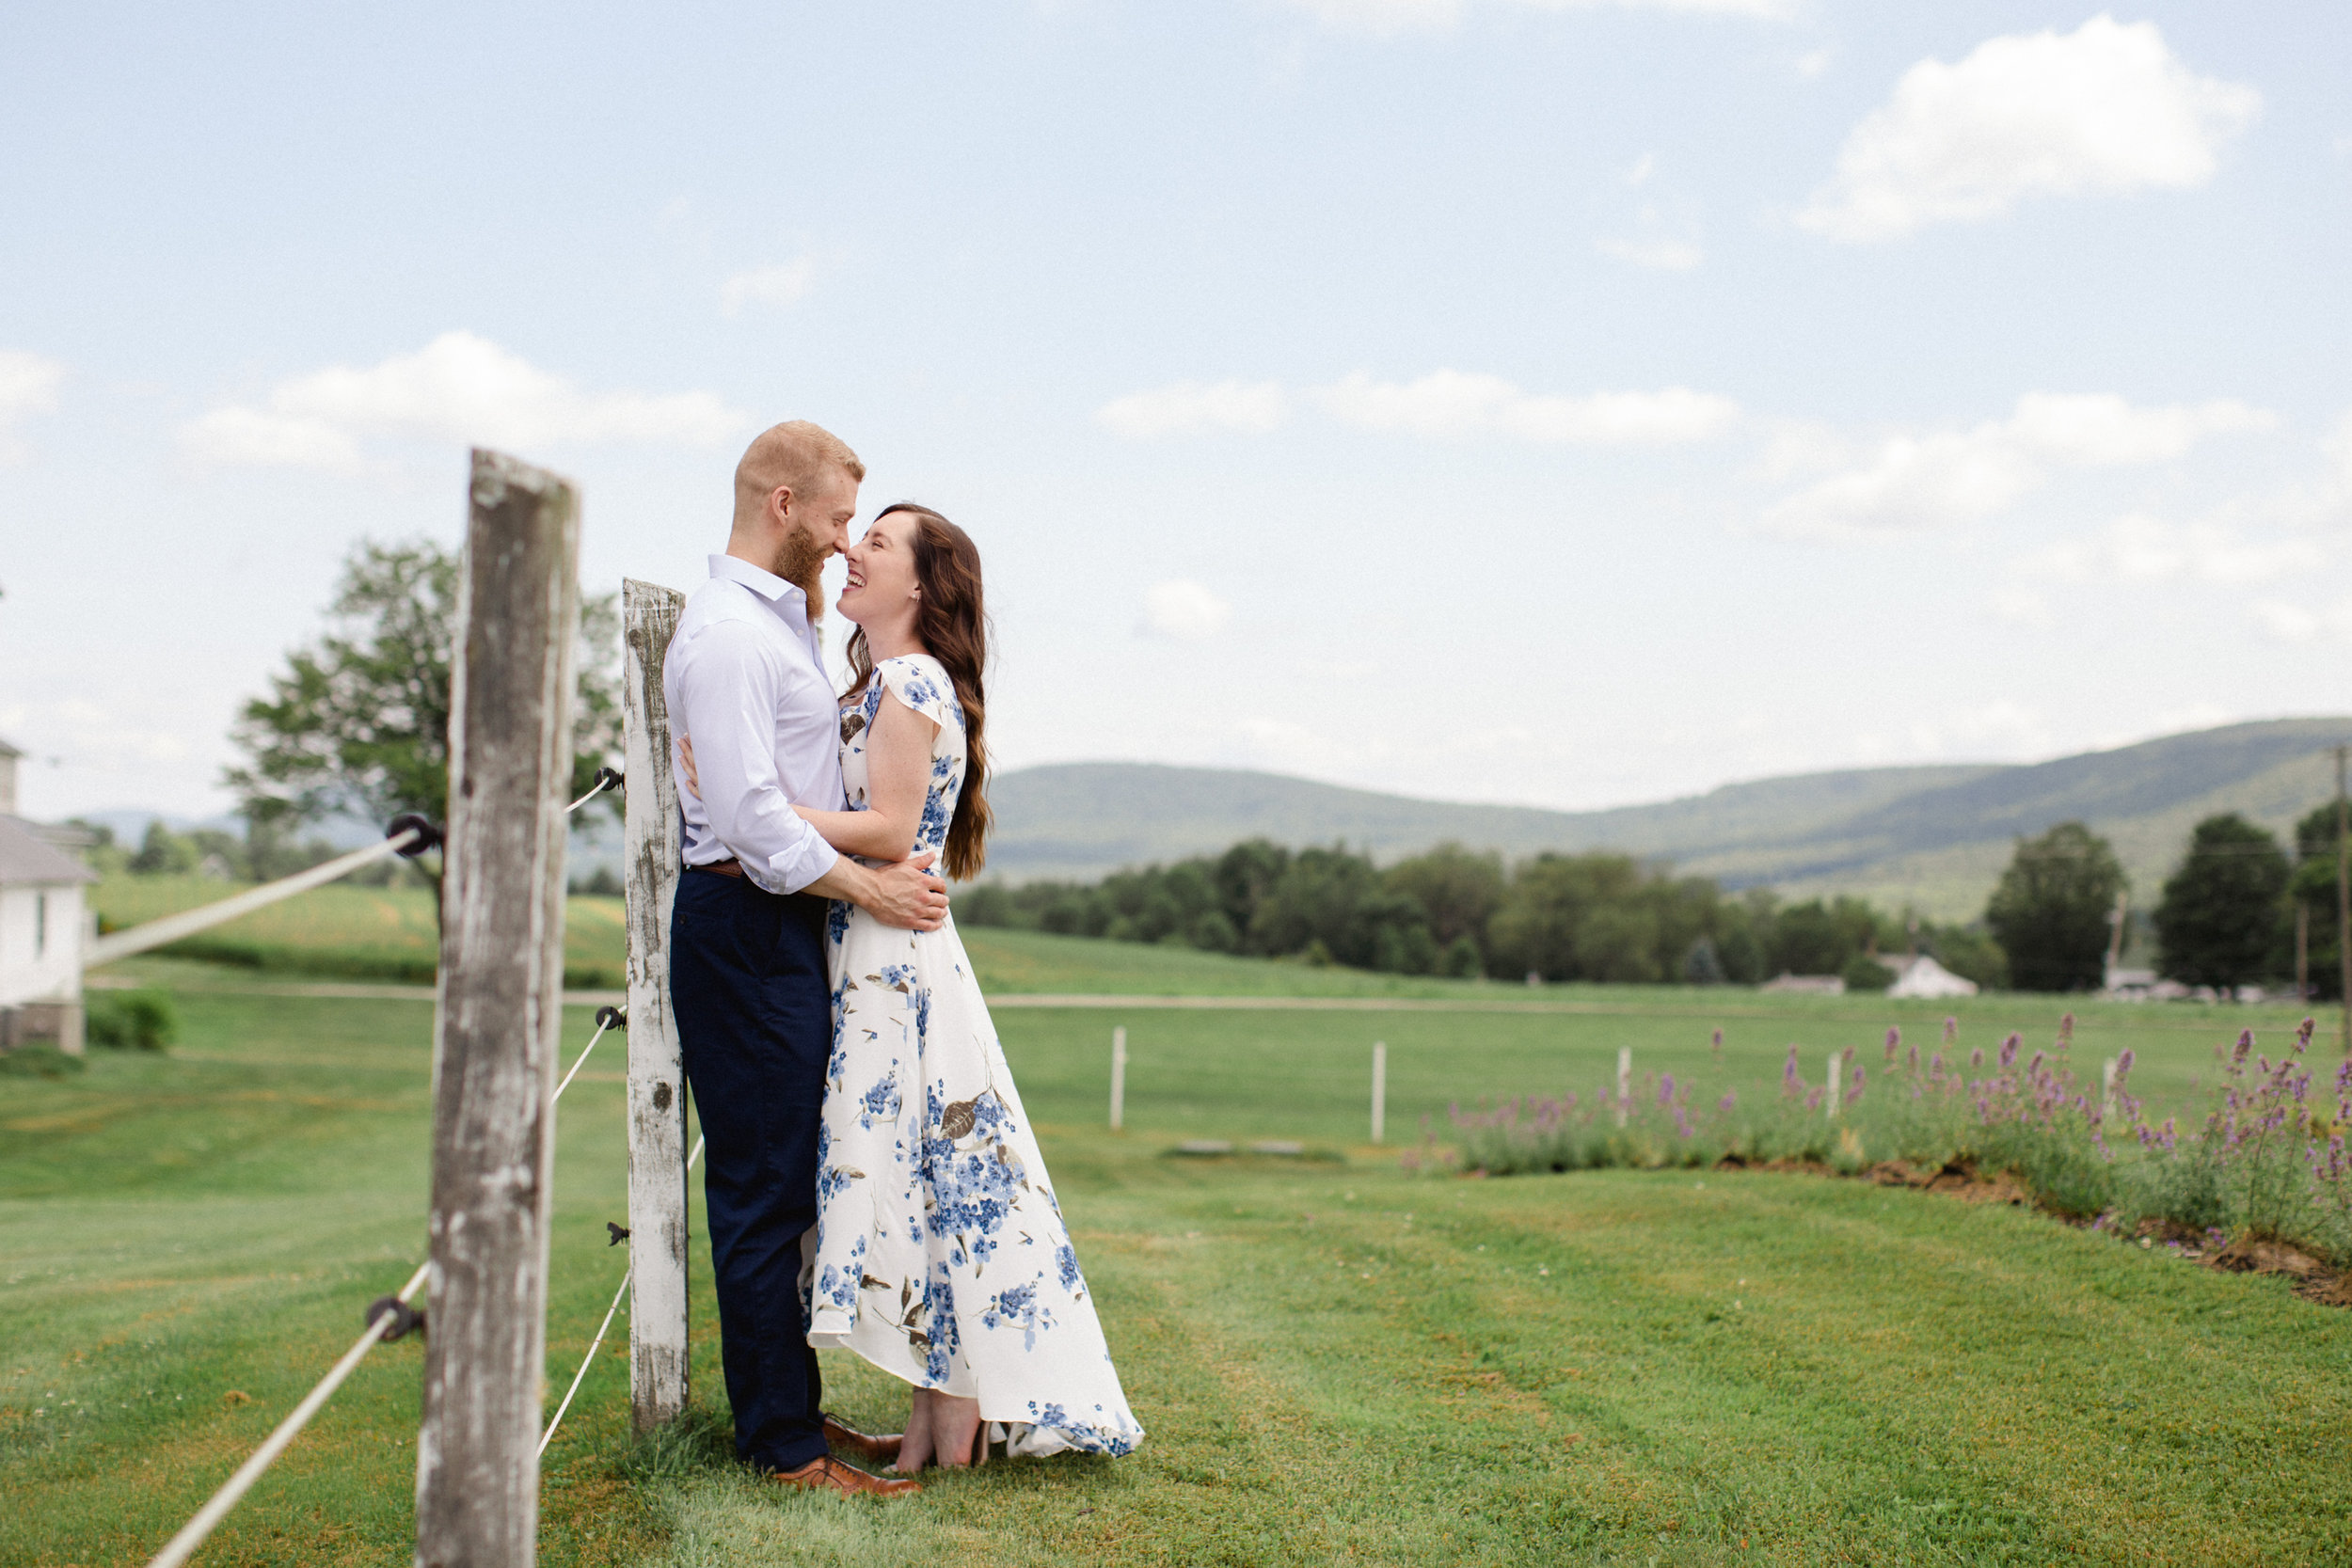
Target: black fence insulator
405,1318
611,1018
609,778
620,1234
428,836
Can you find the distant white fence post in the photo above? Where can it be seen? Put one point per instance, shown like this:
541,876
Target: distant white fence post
1625,1081
657,1372
1837,1082
1379,1091
2106,1092
1119,1078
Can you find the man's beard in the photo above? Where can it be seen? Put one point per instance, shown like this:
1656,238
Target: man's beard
801,562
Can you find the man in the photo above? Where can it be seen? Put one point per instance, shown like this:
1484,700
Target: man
745,678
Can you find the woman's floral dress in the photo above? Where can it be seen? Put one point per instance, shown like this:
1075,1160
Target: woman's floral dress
941,1254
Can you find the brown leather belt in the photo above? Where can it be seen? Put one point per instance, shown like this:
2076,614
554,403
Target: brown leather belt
722,868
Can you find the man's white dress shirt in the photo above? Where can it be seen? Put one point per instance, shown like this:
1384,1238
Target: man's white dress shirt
745,680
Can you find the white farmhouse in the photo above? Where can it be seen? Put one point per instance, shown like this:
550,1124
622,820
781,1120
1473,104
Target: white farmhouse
41,927
1920,975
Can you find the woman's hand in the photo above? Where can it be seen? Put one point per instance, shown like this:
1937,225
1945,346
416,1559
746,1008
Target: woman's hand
686,760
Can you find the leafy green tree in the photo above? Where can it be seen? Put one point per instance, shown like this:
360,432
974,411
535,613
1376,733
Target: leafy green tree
1456,888
1967,952
2049,912
163,853
1817,938
358,721
2219,922
1244,877
2313,886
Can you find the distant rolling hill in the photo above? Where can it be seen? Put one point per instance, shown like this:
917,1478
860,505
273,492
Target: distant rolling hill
1934,838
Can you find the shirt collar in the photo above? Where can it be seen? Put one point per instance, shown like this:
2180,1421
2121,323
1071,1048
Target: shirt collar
785,599
766,584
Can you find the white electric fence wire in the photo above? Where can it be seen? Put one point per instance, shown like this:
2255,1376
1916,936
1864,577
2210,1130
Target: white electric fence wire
171,927
604,780
581,1063
594,1345
193,1534
181,1546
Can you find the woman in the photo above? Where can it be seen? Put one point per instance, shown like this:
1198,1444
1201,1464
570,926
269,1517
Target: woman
941,1257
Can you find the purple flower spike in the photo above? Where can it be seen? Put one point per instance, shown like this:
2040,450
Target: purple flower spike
2009,1051
1976,1058
1726,1103
2244,1044
1666,1090
1717,1043
2124,1064
1951,1030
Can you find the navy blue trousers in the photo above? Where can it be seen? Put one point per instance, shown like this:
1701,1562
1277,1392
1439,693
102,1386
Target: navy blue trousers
755,1022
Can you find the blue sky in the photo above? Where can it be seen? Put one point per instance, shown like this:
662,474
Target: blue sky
1510,399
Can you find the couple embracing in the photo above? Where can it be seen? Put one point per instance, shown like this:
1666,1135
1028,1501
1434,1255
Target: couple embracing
873,1183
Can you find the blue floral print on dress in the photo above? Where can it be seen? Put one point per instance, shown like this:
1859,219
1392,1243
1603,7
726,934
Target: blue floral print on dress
941,1252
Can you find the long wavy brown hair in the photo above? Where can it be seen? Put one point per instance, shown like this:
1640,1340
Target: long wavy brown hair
952,620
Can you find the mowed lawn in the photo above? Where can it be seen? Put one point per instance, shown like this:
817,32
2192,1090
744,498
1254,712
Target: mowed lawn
1336,1361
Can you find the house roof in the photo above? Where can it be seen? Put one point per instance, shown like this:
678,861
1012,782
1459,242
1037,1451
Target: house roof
25,859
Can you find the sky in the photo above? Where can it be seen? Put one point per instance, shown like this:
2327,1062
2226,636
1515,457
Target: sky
1531,401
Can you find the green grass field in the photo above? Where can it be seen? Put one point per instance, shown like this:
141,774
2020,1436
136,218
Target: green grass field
1338,1362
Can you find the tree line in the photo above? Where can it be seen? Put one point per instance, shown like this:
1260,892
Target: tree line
1458,911
2226,918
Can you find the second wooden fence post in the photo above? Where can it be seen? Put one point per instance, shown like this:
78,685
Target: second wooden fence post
657,1190
499,1014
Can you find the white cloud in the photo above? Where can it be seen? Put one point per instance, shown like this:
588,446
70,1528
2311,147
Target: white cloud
2106,108
2023,606
1189,408
1663,255
773,285
2145,549
1916,482
1815,63
1460,404
1183,611
1643,166
2290,622
1387,18
457,387
28,385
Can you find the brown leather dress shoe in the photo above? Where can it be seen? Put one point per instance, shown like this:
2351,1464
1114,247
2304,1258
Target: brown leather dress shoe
873,1449
828,1474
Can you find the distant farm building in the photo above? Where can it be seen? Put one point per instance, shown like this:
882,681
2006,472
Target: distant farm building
42,921
1923,976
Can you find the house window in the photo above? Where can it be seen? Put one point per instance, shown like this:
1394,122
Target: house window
40,924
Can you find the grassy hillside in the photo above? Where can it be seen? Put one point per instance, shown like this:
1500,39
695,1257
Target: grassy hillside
377,933
1934,838
1335,1360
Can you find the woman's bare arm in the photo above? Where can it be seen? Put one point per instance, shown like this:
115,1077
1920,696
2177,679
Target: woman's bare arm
897,780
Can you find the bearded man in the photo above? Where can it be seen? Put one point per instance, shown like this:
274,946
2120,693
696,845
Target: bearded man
745,678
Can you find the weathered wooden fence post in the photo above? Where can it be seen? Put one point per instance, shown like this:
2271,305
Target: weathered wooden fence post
1834,1088
658,1370
500,1013
1380,1091
1625,1082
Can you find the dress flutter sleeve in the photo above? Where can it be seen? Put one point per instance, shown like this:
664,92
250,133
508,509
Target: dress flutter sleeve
922,684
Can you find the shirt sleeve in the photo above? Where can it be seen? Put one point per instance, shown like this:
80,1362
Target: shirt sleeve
730,697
